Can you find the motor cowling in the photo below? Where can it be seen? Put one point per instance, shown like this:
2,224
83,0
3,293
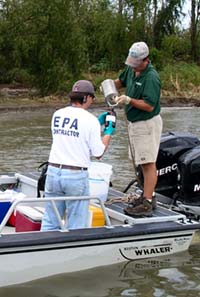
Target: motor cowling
172,146
189,171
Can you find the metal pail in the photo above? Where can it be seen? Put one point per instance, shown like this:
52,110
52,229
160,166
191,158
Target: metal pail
109,89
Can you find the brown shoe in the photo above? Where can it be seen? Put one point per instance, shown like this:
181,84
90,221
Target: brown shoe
135,200
144,208
154,202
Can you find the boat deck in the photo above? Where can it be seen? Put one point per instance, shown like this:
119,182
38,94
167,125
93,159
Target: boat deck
160,214
115,210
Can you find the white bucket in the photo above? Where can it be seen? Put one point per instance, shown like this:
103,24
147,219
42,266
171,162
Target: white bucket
99,179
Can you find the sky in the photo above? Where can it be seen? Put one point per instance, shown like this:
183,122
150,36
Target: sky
186,10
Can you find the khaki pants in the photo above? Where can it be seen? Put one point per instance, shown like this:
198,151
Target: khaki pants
144,140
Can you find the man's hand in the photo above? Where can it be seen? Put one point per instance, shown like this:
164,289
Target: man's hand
123,99
109,130
102,118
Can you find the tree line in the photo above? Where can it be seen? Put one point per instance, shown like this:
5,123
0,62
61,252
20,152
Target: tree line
49,43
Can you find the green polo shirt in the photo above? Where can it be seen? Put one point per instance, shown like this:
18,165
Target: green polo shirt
146,86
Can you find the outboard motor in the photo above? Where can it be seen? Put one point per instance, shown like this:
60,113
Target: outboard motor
189,183
172,146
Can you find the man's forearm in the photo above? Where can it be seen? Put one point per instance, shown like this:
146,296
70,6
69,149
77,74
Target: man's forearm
141,104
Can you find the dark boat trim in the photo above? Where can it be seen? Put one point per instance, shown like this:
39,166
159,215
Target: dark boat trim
86,245
107,235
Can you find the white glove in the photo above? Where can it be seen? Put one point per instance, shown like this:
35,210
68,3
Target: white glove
123,99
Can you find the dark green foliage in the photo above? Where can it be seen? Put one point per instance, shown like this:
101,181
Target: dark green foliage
45,39
156,58
176,47
166,20
50,43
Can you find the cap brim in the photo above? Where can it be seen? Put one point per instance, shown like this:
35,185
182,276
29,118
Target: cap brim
130,61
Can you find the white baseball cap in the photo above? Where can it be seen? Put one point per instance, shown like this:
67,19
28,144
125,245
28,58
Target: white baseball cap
137,52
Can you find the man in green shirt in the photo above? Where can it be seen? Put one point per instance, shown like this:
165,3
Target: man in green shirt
142,108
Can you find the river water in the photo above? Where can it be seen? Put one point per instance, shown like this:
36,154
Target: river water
25,144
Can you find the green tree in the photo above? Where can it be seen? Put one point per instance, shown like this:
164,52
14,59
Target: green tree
166,20
46,40
194,29
50,43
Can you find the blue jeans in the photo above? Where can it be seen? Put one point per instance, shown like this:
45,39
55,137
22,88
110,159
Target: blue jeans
66,182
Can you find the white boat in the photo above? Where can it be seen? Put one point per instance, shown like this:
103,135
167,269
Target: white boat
29,255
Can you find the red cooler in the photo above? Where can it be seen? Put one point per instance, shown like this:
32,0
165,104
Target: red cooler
28,218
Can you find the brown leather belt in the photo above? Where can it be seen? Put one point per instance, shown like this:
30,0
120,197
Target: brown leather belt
67,166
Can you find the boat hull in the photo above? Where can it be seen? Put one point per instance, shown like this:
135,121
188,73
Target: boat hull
23,264
32,255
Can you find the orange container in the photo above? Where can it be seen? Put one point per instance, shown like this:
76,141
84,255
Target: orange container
97,217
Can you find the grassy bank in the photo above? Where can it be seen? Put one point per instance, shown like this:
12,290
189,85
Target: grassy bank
179,80
180,86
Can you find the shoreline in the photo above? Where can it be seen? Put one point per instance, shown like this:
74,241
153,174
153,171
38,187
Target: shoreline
54,102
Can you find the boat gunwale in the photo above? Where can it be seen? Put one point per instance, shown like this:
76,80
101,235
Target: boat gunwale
97,234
